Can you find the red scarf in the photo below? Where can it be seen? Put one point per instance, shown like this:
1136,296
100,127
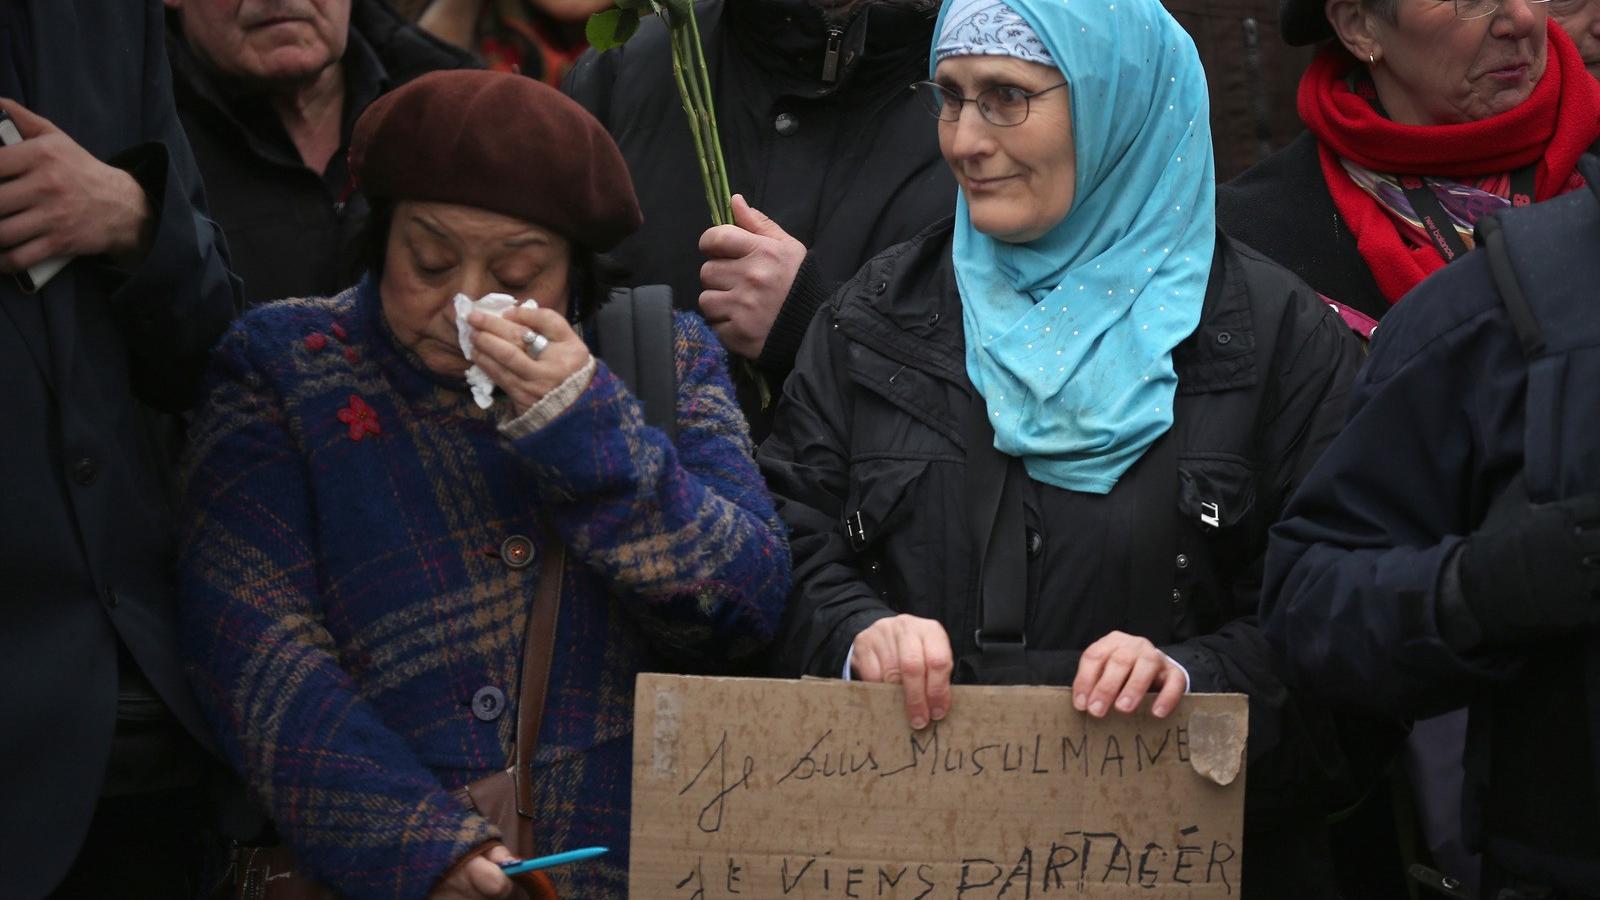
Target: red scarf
1553,127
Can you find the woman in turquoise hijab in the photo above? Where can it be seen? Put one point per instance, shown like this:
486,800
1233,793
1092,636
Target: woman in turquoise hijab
1042,442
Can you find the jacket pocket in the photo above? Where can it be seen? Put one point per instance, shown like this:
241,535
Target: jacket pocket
879,500
879,521
1221,538
1215,493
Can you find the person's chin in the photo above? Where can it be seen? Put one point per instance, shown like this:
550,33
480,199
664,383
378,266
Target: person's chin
442,359
994,214
1006,228
290,64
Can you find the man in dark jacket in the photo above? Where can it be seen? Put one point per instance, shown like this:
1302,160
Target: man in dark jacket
835,157
268,91
1446,549
100,739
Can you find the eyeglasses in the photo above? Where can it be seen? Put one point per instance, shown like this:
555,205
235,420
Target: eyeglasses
1003,104
1477,9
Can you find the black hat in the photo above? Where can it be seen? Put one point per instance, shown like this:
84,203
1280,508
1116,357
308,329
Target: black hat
1303,21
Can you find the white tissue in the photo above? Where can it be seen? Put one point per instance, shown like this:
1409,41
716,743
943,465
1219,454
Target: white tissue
489,304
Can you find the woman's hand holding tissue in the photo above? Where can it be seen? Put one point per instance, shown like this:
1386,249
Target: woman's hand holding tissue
500,350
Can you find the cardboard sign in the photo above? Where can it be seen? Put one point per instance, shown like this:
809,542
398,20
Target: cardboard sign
756,788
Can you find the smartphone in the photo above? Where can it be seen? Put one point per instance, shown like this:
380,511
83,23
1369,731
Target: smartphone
38,274
518,866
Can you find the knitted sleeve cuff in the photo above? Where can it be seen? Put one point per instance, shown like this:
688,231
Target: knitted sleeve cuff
808,292
553,404
465,858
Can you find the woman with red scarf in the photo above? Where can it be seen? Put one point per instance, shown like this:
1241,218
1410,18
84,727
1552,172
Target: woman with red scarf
1424,115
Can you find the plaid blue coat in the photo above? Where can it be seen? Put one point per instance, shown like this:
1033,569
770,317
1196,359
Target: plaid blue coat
345,598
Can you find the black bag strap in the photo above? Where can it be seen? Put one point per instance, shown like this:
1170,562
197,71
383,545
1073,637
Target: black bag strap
1492,237
994,487
1436,222
633,331
1154,562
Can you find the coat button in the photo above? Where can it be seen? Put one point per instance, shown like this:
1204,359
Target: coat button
1035,543
84,471
878,287
488,703
786,124
1177,596
517,552
1223,337
933,320
1183,561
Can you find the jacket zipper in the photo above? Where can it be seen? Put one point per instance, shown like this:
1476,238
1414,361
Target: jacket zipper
830,56
836,30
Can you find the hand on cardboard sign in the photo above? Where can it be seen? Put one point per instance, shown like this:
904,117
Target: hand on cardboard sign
913,652
1119,669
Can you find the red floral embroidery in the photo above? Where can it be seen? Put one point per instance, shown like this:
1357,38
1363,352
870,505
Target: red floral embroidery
317,341
351,356
340,333
361,418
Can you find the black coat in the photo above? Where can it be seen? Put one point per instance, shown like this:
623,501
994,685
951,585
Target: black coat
1281,207
872,425
1359,575
293,232
86,540
848,166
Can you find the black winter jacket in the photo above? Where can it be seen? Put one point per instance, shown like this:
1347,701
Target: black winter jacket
293,232
849,165
1281,207
1361,579
870,432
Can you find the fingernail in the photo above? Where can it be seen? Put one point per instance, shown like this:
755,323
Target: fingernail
938,713
1159,711
918,723
1078,702
1097,708
1125,704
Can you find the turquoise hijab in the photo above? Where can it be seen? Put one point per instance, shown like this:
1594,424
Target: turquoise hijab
1070,336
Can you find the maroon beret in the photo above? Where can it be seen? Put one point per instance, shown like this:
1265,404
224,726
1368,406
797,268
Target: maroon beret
501,142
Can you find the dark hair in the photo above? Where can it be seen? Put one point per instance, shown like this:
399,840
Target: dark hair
589,279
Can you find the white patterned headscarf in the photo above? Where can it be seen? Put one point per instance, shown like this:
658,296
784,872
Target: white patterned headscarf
989,28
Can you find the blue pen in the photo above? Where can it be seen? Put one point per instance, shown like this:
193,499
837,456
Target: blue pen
554,859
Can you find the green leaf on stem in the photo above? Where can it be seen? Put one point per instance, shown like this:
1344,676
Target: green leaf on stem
611,28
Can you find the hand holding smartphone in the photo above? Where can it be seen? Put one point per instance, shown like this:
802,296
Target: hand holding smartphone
38,274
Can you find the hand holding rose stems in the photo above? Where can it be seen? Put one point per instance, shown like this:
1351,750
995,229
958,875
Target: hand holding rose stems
612,28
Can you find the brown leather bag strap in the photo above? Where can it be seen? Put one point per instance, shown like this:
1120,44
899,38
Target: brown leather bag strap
538,646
